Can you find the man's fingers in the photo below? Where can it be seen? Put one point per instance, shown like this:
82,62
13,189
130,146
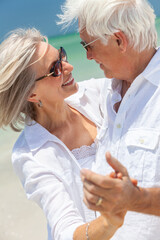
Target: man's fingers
116,165
97,179
90,197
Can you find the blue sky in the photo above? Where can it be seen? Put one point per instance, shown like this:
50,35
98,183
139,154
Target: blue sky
36,13
30,13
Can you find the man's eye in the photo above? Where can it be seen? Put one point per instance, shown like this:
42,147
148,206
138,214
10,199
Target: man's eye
90,47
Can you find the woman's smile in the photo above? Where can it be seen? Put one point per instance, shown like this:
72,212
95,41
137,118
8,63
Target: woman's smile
68,82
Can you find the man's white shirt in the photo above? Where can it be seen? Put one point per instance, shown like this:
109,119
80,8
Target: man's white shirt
132,135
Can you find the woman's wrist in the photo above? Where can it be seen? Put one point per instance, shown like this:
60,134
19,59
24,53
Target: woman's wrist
114,221
99,228
109,225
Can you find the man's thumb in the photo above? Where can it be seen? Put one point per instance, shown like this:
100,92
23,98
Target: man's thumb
116,165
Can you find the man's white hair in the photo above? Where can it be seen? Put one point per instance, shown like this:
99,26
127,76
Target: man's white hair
102,18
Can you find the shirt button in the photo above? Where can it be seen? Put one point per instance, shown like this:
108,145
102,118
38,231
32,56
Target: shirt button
119,125
141,140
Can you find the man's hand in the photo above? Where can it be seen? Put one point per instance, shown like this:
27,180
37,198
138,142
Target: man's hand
118,194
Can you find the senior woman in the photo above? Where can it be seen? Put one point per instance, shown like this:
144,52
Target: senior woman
60,134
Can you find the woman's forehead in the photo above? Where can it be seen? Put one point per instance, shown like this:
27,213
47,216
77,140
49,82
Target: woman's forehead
45,49
45,54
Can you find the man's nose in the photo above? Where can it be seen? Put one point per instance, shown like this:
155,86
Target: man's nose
89,54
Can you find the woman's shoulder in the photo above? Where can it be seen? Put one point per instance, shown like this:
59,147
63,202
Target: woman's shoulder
37,147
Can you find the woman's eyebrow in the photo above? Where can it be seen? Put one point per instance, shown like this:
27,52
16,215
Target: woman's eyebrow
52,63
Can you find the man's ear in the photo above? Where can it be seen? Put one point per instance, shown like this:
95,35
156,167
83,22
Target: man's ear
32,98
121,40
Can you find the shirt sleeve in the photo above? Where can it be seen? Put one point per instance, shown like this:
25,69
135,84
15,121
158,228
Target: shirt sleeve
100,88
90,99
100,84
49,192
96,92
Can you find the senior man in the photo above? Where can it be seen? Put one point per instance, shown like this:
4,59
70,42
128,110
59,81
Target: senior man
120,36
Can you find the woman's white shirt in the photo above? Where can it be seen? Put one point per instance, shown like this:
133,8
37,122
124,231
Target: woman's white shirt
50,173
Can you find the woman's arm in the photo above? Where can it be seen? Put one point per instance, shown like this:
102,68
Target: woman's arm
102,228
47,189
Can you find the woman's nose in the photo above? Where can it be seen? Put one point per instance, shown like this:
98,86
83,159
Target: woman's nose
67,67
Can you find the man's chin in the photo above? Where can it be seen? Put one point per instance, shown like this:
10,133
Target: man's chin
107,75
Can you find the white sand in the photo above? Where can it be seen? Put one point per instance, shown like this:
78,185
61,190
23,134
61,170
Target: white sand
20,219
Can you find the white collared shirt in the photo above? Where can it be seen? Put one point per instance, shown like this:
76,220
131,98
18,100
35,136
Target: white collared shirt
49,172
132,135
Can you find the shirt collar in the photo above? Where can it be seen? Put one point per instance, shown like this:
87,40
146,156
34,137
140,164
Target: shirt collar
152,71
36,135
116,85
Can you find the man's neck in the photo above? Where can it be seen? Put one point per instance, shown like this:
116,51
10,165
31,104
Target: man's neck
141,62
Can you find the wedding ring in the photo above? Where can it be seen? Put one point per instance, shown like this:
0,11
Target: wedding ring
98,203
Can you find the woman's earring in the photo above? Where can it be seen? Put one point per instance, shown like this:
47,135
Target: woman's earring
40,104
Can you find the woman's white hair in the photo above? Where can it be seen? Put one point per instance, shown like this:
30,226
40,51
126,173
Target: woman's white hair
17,77
103,18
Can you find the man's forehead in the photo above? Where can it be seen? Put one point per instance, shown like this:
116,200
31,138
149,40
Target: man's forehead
85,36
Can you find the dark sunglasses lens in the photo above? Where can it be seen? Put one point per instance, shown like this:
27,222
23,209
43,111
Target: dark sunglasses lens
56,69
63,54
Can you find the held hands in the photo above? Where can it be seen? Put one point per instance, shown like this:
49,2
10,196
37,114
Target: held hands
112,195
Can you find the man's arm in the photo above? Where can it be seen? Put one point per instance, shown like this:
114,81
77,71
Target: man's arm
118,194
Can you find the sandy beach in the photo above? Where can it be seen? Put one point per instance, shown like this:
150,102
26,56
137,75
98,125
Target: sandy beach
20,219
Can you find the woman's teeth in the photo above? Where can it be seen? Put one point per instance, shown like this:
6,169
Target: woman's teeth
70,80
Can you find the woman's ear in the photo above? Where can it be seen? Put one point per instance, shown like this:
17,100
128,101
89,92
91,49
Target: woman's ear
33,98
121,40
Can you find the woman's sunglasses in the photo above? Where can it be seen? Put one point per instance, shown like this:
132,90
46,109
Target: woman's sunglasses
56,69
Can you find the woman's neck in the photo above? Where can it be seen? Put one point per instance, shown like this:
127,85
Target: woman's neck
54,117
